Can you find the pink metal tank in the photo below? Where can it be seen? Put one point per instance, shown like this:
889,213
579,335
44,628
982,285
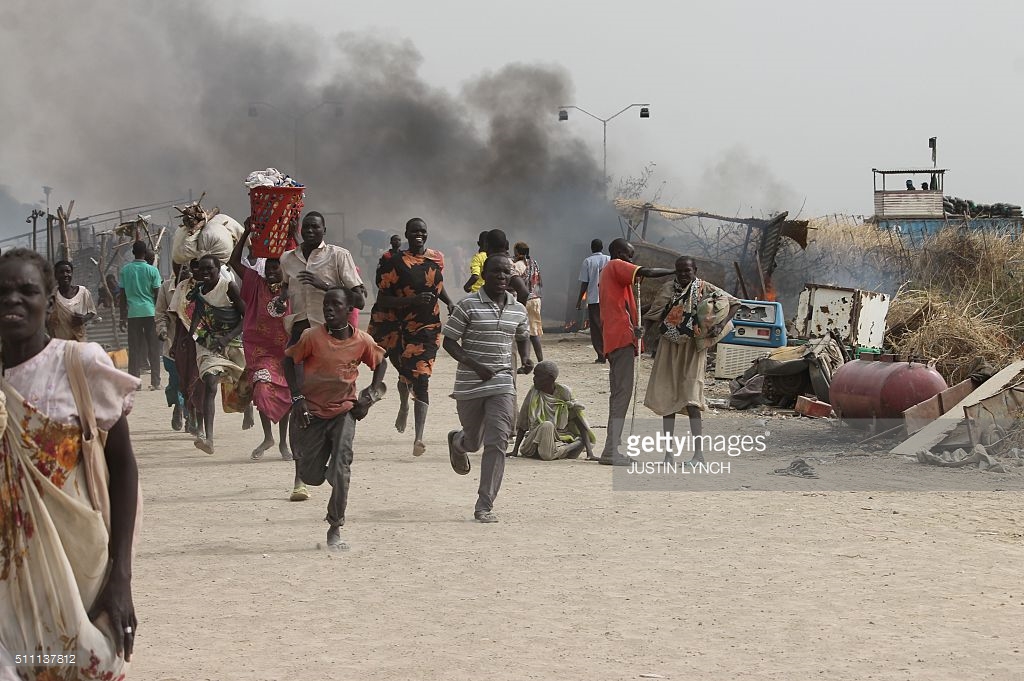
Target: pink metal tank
882,388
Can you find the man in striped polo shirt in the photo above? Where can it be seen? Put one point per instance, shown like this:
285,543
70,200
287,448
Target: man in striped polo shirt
479,334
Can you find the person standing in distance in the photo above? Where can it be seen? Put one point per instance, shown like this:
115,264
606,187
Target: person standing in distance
476,265
590,276
140,283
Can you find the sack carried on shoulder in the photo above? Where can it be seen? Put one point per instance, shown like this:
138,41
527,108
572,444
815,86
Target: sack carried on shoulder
681,326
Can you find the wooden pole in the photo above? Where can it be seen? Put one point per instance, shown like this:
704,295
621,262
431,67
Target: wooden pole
760,273
101,267
62,221
49,237
156,247
739,278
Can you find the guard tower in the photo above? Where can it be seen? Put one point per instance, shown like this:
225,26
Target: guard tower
895,200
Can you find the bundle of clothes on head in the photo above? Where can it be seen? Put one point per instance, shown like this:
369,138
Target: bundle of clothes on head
271,177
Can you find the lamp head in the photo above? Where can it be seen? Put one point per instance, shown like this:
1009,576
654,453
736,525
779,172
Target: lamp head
563,115
253,111
645,112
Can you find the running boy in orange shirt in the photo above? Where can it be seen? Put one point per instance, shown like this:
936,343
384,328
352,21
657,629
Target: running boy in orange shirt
325,406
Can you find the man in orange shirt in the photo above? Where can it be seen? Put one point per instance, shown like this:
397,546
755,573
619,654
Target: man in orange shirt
620,330
325,407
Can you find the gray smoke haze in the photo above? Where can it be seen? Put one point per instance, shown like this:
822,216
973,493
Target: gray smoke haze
119,104
732,185
13,214
739,184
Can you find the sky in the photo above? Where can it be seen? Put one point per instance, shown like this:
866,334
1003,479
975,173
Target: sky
813,93
755,106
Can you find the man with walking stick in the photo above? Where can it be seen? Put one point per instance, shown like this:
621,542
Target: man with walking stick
621,332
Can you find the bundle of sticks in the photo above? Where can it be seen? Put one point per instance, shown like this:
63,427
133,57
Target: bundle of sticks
194,216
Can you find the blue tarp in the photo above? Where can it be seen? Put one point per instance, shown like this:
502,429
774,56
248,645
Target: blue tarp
926,226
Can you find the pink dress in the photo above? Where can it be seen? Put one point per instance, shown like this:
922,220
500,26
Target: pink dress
263,340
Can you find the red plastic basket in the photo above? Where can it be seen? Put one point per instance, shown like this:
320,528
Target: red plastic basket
273,211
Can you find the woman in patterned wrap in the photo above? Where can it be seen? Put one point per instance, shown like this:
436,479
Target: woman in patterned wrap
216,326
69,488
692,315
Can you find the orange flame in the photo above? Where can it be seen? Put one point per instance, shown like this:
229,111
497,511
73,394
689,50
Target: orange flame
769,291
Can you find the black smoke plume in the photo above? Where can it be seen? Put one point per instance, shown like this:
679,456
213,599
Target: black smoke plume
122,104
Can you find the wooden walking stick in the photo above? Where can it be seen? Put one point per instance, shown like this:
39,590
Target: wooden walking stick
639,352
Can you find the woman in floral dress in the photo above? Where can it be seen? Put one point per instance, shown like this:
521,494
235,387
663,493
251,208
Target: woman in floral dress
68,491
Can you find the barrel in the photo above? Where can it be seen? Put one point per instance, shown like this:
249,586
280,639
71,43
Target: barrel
882,388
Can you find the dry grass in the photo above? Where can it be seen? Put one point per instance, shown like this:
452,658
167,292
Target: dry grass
952,330
964,301
842,252
959,296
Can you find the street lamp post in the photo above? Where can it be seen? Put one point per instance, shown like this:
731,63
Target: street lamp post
295,119
563,115
32,218
49,225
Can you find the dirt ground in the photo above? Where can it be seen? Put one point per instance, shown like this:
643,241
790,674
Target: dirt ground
578,580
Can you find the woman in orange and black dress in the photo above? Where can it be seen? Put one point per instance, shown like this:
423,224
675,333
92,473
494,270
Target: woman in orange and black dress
406,321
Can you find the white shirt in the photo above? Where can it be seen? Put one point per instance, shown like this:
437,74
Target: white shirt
590,273
331,263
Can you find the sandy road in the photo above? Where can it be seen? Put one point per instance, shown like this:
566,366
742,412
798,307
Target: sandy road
577,581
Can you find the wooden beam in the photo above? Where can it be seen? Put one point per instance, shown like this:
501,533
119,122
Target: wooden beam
739,278
939,429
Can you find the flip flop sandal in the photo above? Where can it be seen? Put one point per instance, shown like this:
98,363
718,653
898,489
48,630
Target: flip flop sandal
802,469
460,460
797,469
